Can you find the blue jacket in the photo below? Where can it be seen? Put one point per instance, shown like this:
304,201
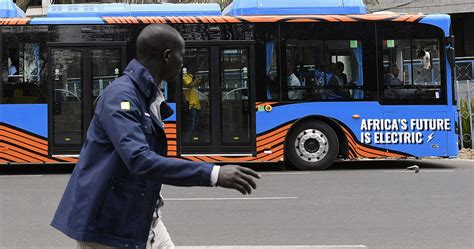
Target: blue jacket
112,192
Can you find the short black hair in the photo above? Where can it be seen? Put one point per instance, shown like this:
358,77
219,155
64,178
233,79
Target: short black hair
340,65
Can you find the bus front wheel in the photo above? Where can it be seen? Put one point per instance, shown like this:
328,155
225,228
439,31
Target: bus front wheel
312,145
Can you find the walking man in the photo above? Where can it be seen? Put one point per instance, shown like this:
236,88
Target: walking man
113,195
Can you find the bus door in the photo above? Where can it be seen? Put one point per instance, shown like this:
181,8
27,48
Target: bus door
216,104
78,75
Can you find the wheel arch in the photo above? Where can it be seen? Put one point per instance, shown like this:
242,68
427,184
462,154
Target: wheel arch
343,146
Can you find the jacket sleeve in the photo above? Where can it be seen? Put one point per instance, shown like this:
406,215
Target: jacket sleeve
120,118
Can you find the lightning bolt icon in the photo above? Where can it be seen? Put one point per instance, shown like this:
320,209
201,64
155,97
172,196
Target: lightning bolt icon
430,137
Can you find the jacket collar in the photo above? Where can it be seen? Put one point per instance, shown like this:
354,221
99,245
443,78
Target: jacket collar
142,78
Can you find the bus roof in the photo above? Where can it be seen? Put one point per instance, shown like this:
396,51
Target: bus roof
240,11
295,7
100,10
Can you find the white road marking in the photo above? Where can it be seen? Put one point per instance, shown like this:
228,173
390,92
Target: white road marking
284,173
421,171
230,199
277,247
8,176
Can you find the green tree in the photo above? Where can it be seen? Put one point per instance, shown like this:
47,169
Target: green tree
466,122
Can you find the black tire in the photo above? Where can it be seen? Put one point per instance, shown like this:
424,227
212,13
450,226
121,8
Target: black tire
320,146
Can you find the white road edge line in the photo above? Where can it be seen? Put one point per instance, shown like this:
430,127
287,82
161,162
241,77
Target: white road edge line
276,247
230,199
283,173
421,171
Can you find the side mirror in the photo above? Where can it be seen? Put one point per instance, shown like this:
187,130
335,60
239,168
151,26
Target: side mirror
450,52
451,56
450,41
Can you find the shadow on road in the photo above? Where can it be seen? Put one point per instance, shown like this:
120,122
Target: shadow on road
35,169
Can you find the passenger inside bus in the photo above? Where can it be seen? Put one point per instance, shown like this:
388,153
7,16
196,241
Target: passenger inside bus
391,75
191,93
304,75
334,80
339,72
335,83
393,85
319,75
12,70
294,85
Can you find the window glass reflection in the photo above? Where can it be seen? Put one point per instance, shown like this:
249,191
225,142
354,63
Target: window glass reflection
105,69
411,69
24,65
195,82
324,70
235,109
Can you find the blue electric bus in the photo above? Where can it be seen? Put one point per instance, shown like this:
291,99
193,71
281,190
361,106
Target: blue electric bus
305,82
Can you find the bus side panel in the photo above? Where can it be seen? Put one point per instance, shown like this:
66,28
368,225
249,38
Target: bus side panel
374,124
423,133
29,117
23,134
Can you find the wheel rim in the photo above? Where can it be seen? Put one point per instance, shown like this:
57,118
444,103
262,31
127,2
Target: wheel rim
311,145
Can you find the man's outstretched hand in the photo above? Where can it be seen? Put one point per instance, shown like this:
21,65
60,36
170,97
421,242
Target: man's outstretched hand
236,177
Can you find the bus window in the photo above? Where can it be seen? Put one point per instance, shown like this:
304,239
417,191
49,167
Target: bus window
411,70
345,63
426,68
267,53
396,66
272,85
235,96
23,65
106,67
195,101
305,60
324,70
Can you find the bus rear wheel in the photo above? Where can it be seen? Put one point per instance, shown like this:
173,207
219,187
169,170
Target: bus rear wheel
312,145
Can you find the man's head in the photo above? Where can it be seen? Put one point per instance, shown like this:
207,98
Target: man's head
160,49
340,66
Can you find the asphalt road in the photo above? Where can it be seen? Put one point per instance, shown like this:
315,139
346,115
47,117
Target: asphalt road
377,204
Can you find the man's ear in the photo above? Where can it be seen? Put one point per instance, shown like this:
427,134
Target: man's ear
167,55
